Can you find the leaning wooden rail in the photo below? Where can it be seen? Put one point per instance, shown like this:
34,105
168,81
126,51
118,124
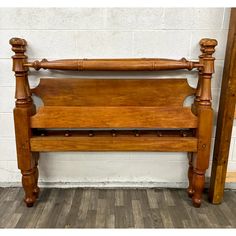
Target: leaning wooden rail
132,64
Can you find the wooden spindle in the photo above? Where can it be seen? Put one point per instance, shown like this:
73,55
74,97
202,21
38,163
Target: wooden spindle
132,64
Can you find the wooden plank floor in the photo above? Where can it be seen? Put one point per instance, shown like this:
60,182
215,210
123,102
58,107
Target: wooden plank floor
114,208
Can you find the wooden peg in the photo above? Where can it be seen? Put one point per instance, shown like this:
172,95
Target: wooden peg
67,134
113,133
136,133
183,133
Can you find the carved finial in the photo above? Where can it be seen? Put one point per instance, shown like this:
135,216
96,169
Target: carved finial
208,46
23,94
18,45
207,49
18,41
208,42
19,48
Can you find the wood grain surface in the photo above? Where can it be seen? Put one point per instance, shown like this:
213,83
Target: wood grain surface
226,114
113,92
113,117
109,143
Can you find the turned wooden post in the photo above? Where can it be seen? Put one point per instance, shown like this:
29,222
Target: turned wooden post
24,108
200,73
190,189
205,114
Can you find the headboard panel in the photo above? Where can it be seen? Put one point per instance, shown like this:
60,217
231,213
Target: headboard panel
113,92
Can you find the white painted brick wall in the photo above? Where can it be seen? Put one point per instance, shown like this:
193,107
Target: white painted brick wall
76,33
103,44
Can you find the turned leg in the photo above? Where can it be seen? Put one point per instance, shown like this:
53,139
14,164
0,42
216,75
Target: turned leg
28,182
36,188
202,156
199,182
36,176
190,189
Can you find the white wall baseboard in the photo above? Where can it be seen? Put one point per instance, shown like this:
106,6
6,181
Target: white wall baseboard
111,185
101,184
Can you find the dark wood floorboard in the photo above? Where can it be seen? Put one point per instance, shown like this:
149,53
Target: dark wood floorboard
114,208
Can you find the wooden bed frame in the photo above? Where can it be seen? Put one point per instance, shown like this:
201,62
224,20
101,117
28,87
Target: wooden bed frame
113,114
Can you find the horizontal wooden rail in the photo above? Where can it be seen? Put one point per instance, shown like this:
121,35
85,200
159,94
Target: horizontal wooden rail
110,117
136,64
129,143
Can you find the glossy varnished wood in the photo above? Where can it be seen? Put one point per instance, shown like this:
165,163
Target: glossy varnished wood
113,92
113,140
129,64
113,104
113,117
114,208
109,143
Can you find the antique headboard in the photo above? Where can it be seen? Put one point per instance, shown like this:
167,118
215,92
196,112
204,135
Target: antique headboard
135,114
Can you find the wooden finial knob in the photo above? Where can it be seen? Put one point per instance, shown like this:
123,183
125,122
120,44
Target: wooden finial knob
208,45
208,42
18,45
18,41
